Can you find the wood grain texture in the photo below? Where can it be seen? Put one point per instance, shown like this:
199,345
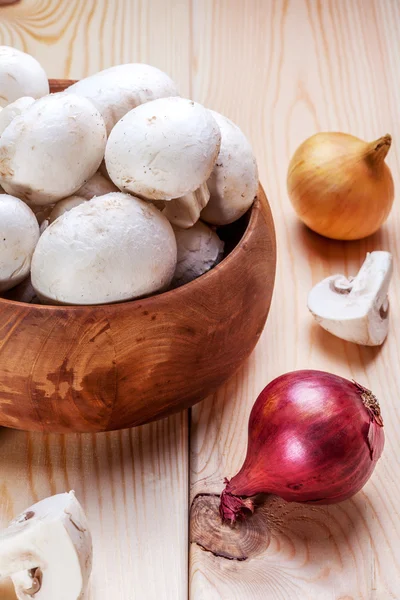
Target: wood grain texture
283,70
99,368
133,484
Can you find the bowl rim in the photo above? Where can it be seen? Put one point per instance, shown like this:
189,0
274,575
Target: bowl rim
254,210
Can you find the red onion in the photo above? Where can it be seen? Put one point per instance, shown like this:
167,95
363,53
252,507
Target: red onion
313,437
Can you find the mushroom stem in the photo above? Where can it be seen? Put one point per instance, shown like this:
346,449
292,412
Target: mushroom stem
12,560
185,211
342,284
47,550
356,309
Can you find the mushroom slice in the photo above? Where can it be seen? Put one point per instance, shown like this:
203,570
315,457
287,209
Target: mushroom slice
185,211
356,309
47,550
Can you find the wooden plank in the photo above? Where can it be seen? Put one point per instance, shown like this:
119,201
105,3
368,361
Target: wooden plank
133,484
284,70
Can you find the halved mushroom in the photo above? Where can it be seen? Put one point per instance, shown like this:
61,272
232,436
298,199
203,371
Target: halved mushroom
164,149
109,249
199,250
356,309
47,550
117,90
50,150
20,75
13,110
234,180
19,234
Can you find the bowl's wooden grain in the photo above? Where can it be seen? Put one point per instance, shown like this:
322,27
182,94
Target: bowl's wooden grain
99,368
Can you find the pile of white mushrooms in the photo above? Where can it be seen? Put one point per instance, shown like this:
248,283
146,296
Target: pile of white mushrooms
113,189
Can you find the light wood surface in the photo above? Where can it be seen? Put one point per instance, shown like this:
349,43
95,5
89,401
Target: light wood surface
282,70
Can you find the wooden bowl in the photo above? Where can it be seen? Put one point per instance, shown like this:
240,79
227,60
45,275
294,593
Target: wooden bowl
100,368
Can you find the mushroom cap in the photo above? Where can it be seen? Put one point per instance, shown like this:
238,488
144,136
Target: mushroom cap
20,75
13,110
64,206
163,149
19,234
117,90
234,180
98,185
112,248
49,151
199,250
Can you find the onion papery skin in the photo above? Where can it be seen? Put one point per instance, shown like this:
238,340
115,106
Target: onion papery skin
311,439
340,185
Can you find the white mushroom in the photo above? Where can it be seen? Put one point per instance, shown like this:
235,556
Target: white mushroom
19,234
47,550
20,75
98,185
185,211
356,309
64,206
13,110
50,150
234,180
199,250
163,149
113,248
117,90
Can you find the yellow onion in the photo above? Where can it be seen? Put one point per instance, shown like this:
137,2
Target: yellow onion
340,186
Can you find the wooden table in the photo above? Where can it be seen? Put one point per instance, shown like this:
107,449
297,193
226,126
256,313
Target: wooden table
282,69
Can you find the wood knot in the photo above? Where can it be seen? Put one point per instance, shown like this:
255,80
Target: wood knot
243,540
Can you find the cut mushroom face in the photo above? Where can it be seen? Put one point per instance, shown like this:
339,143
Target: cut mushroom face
19,234
20,75
50,150
110,249
199,250
164,149
356,309
117,90
234,180
47,550
13,110
185,211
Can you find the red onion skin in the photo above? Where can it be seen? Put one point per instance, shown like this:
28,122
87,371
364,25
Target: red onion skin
311,439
